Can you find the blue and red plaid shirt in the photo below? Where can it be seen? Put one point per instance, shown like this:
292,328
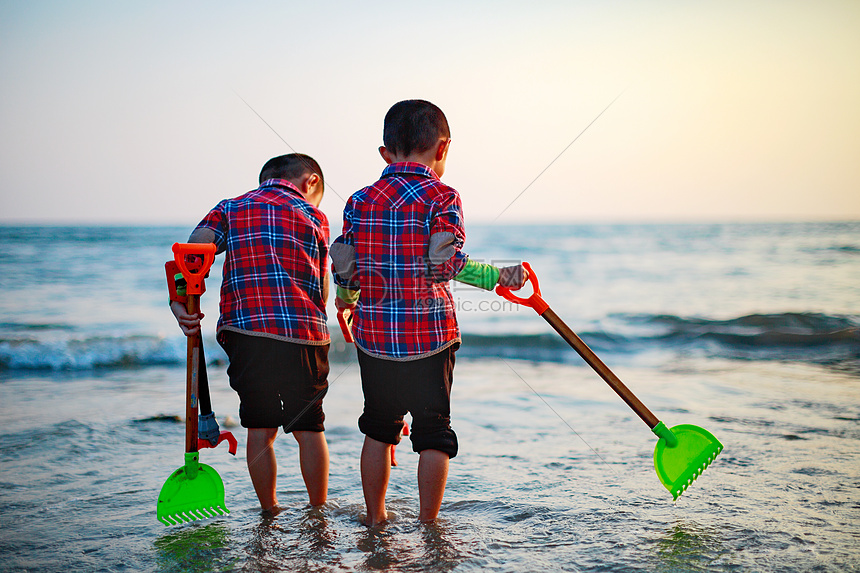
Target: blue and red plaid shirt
405,310
274,277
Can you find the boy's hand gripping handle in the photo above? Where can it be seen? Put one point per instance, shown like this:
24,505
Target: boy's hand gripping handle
194,278
535,301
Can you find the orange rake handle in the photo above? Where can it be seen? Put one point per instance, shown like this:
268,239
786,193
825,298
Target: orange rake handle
535,301
194,278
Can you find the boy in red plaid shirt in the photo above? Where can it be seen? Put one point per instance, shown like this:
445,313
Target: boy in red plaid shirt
273,317
401,245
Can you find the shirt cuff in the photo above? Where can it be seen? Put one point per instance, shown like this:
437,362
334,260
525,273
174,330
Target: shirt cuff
348,296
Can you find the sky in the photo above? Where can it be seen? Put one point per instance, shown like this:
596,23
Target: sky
565,111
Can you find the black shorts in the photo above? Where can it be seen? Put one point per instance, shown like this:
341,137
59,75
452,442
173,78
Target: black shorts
279,383
421,387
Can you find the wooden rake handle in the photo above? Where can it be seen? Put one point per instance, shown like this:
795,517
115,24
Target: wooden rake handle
540,306
192,381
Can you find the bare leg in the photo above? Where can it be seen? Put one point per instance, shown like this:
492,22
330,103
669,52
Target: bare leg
313,459
262,465
432,475
375,471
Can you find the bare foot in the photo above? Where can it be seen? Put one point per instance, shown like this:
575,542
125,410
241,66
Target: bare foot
374,522
272,511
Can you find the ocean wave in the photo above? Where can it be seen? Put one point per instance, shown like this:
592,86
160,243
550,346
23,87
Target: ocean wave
26,326
802,337
794,330
84,353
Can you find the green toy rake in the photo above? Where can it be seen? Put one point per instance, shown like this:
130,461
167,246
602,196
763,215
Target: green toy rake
682,453
194,491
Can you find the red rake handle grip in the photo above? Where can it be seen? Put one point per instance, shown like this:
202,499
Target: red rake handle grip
344,318
232,444
535,301
194,278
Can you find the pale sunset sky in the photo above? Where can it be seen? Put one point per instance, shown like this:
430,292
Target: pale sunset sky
133,112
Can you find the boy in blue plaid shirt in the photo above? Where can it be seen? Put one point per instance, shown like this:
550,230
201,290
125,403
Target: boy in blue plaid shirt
273,317
401,244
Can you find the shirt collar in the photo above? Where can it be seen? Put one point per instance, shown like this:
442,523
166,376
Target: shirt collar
281,185
409,168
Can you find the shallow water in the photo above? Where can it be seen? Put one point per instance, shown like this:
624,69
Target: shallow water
751,331
554,474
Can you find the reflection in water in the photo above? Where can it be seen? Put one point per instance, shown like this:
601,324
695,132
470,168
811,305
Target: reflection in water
331,539
688,547
195,548
412,547
315,533
294,540
440,554
376,543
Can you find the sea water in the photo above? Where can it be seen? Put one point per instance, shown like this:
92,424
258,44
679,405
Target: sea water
749,330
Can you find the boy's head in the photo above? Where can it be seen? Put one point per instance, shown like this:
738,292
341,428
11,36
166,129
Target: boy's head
299,169
415,128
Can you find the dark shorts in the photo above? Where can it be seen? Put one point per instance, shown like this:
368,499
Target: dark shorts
421,387
279,383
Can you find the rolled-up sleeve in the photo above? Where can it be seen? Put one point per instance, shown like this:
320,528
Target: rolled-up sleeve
216,221
342,253
447,237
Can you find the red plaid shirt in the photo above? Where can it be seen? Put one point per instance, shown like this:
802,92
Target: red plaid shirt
275,267
405,310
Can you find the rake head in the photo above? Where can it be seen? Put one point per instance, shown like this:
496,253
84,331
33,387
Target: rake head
682,454
191,513
194,491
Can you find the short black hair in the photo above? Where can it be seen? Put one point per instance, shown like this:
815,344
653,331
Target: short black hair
414,125
290,167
